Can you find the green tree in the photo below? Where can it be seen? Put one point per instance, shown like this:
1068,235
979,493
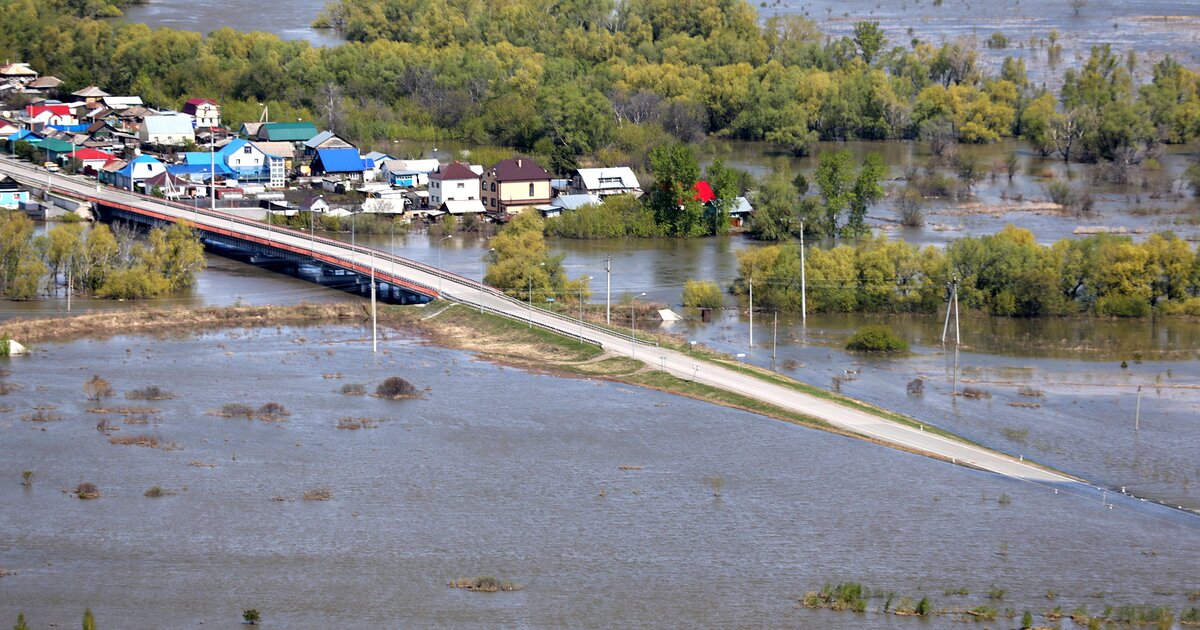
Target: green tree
176,253
775,206
20,622
725,183
673,195
835,180
870,39
702,294
866,192
89,620
63,244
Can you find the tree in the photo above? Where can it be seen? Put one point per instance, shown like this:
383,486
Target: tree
702,294
908,206
775,205
726,188
866,191
97,388
835,180
63,244
1078,5
176,253
89,621
20,622
870,39
939,134
967,169
673,195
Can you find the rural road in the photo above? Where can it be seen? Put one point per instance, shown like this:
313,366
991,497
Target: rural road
471,292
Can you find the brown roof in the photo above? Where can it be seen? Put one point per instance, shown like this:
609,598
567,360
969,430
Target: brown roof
45,83
453,170
518,169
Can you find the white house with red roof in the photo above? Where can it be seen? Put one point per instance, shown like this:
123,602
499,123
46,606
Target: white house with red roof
56,114
207,112
91,159
453,182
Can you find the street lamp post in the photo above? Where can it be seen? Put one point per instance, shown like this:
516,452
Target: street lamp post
530,295
440,263
482,275
581,281
633,325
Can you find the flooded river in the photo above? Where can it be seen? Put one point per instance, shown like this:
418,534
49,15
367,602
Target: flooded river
500,472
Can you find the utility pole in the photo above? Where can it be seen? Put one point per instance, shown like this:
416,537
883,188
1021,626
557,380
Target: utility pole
71,263
775,336
752,313
803,285
1137,413
608,289
952,303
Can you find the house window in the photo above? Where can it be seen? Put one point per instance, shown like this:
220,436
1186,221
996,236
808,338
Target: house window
530,189
493,186
461,185
493,202
246,149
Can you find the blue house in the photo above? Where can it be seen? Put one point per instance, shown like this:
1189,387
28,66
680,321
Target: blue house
342,163
241,160
11,195
136,171
24,134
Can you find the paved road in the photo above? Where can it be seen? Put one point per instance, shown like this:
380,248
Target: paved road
434,281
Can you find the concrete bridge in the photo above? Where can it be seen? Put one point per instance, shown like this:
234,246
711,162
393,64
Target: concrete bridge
409,281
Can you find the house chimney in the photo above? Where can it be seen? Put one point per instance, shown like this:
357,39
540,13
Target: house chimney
518,162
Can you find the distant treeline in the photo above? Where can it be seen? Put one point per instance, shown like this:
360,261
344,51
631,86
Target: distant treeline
1007,273
609,80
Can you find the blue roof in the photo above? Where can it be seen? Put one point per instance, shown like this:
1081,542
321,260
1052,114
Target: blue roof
181,170
127,170
70,128
343,161
24,133
201,158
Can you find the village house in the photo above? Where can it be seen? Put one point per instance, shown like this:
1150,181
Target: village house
453,182
409,173
285,150
11,193
325,140
136,171
342,164
90,94
18,73
121,103
206,112
37,116
171,129
297,132
514,185
44,85
565,203
605,181
90,160
240,159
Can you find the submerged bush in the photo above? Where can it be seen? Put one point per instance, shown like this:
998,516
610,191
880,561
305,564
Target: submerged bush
485,584
702,294
87,490
396,387
876,338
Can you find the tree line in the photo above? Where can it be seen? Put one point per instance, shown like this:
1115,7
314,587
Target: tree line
609,81
1007,274
100,261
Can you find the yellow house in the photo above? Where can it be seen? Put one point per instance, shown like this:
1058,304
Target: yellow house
514,185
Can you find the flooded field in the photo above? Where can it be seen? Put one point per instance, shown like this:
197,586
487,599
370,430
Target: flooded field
499,472
1053,391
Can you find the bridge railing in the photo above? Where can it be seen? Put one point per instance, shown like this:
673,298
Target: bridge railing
477,285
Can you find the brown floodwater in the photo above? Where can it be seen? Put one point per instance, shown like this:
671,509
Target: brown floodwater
500,472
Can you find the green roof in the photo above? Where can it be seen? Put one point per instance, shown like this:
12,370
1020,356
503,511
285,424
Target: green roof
53,144
287,131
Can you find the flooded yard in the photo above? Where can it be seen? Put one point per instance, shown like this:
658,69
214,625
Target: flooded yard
597,497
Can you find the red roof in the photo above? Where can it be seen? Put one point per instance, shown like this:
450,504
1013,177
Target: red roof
454,170
88,154
58,110
518,169
704,192
200,101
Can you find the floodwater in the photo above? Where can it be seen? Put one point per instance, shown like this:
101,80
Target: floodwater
1079,406
501,472
288,20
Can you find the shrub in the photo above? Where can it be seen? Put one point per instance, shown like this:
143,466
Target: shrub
251,616
1026,620
97,388
845,596
1120,305
395,388
272,411
27,478
87,490
235,410
354,389
876,338
318,494
924,607
975,392
150,392
485,584
702,294
983,613
908,206
157,491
